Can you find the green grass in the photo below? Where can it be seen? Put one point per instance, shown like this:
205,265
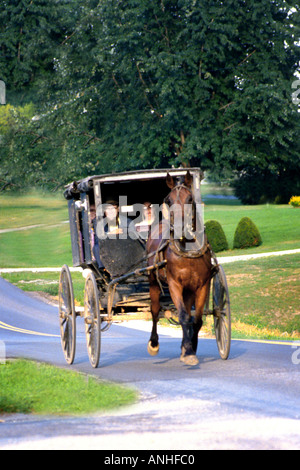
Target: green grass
48,246
45,246
263,293
46,282
29,387
265,296
40,247
279,226
32,209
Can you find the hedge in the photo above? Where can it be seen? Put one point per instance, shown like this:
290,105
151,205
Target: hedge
247,234
216,236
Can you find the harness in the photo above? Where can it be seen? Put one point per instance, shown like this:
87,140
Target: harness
176,246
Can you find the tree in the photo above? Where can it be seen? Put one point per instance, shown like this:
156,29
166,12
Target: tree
262,142
15,136
183,82
139,84
31,32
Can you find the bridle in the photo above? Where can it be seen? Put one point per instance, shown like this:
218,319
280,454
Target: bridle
178,189
177,201
175,245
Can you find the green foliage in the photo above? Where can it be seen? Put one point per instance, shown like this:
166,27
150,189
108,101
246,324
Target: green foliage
133,84
295,201
216,236
12,117
179,80
247,234
31,32
261,186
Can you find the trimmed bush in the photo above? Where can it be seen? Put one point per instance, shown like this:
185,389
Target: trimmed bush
246,234
216,236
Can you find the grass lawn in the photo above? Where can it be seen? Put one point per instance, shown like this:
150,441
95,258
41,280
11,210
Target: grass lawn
46,282
264,293
29,387
39,247
32,209
51,247
279,226
264,297
43,246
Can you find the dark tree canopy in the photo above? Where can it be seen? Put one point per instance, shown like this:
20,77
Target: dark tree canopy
128,84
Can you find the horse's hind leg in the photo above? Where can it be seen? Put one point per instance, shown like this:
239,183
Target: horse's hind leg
153,345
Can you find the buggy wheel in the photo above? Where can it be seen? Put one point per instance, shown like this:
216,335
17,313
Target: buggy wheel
222,313
67,315
92,320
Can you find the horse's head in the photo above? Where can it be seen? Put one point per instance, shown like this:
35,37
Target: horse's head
181,206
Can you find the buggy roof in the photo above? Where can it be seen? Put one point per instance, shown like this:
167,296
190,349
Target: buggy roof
138,175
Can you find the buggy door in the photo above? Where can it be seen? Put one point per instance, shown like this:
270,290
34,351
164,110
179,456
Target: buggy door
81,231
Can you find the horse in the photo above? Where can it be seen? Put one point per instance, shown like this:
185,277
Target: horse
187,273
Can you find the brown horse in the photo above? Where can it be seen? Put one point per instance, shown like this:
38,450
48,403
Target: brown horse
188,277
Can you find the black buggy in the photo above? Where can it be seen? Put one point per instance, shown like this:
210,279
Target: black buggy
118,283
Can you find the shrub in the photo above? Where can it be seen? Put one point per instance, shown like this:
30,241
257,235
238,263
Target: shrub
295,201
246,234
216,236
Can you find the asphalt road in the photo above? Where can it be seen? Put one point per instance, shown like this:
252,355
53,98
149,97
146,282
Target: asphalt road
251,401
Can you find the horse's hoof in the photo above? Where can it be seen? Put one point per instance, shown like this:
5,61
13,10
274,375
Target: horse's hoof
153,351
190,360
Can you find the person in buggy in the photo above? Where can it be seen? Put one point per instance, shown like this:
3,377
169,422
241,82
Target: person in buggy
149,219
113,225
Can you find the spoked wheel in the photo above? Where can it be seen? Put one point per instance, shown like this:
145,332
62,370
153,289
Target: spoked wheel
222,313
92,319
67,315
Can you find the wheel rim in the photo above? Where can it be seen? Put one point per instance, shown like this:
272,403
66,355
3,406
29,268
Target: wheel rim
92,320
222,314
67,316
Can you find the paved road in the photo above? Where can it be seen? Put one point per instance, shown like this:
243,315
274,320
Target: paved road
251,401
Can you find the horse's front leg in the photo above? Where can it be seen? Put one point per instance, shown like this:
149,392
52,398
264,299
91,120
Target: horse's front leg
188,355
201,296
153,345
